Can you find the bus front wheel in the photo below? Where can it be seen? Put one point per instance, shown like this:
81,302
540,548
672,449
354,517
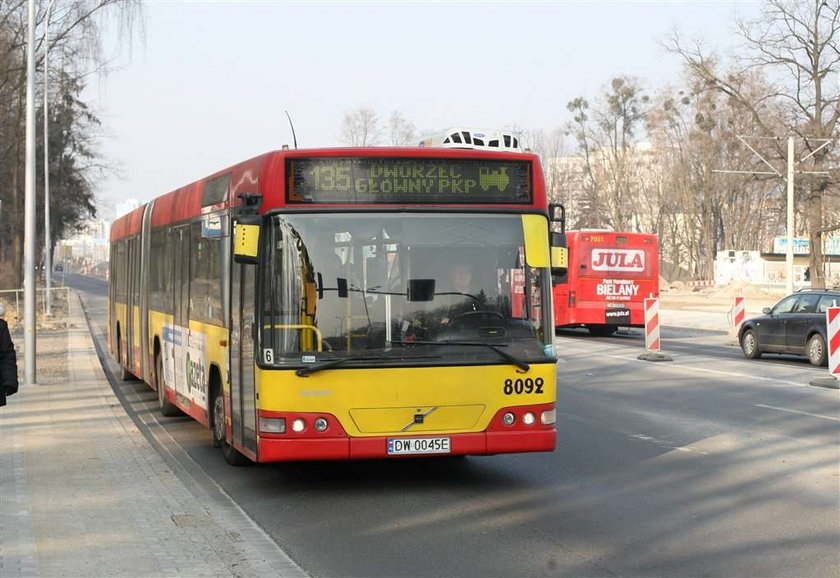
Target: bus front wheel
231,454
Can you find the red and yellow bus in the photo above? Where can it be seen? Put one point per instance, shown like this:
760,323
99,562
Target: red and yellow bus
301,304
609,275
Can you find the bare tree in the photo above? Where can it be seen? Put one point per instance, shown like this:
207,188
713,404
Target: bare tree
797,43
75,51
401,130
606,135
701,211
563,173
360,128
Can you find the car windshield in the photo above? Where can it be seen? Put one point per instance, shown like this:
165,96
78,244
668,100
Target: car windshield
401,288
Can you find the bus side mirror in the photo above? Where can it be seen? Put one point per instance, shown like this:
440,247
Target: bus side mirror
557,214
246,243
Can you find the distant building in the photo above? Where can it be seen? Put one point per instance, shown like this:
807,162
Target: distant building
770,268
86,249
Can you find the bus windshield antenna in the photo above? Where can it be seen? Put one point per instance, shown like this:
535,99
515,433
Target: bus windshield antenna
294,138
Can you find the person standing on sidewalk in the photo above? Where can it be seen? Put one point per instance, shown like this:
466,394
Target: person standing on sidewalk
8,364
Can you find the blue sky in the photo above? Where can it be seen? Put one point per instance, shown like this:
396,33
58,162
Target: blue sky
209,84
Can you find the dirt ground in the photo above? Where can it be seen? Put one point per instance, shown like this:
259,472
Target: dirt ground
51,363
677,297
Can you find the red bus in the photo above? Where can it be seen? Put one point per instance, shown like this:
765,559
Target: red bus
607,278
335,304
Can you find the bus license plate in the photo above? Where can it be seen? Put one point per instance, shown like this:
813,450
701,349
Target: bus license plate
407,446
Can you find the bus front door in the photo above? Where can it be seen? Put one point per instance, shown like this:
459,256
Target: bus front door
242,361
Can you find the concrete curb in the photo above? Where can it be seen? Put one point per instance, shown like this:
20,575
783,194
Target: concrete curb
827,382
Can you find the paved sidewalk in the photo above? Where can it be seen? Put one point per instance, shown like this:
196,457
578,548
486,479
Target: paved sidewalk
83,493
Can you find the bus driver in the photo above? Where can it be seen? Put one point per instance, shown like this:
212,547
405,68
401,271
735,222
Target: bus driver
462,293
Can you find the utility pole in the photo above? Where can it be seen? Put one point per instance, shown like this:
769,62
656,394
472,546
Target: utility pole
789,254
791,166
30,239
47,239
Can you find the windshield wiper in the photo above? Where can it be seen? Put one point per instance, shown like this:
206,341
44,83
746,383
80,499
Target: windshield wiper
512,359
310,369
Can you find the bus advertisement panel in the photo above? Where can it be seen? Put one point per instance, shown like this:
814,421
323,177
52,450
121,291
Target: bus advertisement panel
609,275
346,303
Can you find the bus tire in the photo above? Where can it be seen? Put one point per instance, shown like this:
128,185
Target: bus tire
125,375
217,427
231,454
602,330
167,408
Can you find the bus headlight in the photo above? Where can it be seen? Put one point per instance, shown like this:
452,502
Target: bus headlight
548,417
298,425
508,418
273,425
529,418
321,424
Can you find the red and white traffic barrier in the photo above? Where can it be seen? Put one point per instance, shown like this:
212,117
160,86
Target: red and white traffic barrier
652,342
832,317
739,312
702,283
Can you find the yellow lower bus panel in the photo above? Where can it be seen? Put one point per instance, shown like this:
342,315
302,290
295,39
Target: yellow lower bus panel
389,412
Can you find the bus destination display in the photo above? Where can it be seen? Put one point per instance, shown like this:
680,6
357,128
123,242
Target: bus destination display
407,180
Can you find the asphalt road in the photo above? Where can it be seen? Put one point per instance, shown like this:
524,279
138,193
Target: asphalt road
709,465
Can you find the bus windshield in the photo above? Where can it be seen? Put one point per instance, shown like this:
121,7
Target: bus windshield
400,288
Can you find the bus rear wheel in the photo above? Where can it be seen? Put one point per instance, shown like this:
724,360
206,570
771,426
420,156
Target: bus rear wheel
167,408
125,375
231,454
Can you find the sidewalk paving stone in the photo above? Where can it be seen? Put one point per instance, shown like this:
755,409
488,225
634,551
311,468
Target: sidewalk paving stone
83,493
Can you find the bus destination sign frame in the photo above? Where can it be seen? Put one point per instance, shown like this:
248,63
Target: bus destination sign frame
397,180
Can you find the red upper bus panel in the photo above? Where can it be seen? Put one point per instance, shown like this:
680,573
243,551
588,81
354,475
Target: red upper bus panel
489,176
127,225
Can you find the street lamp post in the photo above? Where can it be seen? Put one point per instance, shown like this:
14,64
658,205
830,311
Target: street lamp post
47,239
29,233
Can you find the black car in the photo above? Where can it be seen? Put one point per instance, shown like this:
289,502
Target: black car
796,325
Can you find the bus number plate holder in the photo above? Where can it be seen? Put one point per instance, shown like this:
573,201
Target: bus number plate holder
413,446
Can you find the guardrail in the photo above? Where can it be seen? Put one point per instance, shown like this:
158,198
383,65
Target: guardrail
60,297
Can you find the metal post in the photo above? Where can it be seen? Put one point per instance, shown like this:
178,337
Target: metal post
789,257
47,238
30,239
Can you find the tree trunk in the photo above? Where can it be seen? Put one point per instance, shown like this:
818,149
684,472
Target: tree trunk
816,261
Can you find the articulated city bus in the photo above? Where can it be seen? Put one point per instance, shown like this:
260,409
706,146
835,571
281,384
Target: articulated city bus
608,277
345,303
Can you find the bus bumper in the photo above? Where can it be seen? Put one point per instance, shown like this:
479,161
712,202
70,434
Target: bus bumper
344,448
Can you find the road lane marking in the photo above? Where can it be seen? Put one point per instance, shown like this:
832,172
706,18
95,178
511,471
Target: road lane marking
666,444
713,371
798,412
600,352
